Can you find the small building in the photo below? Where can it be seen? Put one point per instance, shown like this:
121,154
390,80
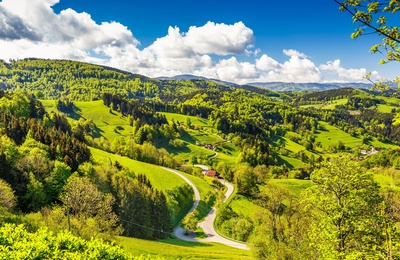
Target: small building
211,173
367,152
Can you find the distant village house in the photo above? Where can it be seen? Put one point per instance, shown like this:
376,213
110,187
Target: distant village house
367,152
211,173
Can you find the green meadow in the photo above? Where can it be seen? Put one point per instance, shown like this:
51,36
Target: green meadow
195,121
292,162
242,205
178,249
110,124
160,179
386,108
294,185
327,105
332,135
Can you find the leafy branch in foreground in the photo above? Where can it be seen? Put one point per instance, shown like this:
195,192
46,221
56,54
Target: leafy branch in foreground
373,18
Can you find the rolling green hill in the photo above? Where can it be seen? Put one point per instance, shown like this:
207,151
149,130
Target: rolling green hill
255,138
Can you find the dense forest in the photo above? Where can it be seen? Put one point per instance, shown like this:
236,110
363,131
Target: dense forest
47,170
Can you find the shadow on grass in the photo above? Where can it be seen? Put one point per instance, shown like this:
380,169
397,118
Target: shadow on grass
173,150
188,138
281,161
178,242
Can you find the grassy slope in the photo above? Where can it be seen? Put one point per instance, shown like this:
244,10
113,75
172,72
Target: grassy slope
105,120
293,147
204,188
292,163
159,178
333,134
328,105
294,185
206,135
241,205
178,249
182,118
385,108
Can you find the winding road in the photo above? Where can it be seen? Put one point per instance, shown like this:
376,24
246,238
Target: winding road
208,224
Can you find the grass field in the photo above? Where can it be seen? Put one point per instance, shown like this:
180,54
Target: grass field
386,108
332,135
243,206
204,136
391,100
328,105
107,122
178,249
196,121
294,185
189,151
159,178
230,160
292,162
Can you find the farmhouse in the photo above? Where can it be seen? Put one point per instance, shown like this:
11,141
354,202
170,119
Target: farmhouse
366,152
211,173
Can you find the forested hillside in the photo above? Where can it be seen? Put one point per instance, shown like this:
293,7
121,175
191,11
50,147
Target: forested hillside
62,122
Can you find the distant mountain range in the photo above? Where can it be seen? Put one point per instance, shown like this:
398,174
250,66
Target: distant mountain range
191,77
290,86
278,86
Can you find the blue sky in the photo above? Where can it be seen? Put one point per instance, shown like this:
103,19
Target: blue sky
238,41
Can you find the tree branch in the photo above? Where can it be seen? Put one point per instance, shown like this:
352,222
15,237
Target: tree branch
365,23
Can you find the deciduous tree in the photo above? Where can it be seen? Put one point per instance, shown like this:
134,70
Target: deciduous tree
7,198
344,198
190,221
90,209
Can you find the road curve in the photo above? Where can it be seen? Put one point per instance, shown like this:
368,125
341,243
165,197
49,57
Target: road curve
179,232
208,223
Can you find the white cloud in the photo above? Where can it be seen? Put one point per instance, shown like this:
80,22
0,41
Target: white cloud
220,39
297,69
335,68
31,28
294,53
267,63
39,32
241,72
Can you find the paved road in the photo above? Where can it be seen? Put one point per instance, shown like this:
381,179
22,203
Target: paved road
179,232
208,224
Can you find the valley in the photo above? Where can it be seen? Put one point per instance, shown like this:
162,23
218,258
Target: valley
136,141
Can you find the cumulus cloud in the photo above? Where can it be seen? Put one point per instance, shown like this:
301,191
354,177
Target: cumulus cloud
297,69
294,53
346,74
13,28
267,63
31,28
220,39
180,52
